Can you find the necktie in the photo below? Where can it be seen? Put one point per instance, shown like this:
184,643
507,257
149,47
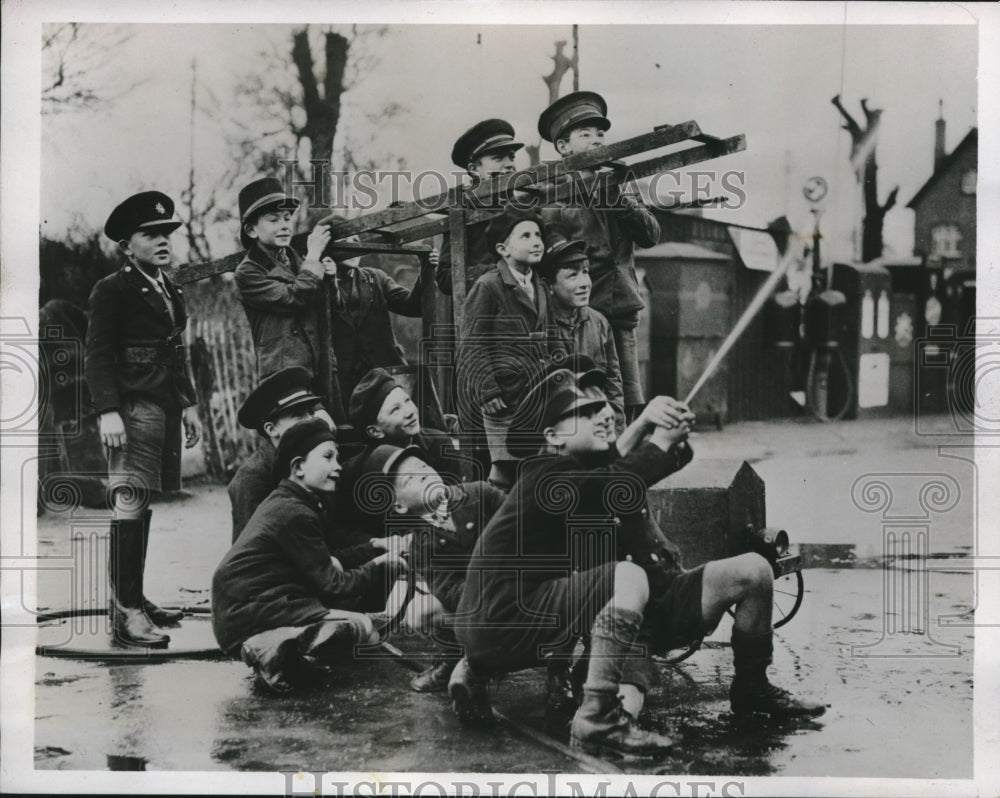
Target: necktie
161,287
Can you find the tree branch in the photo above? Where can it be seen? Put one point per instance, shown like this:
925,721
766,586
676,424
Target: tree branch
302,58
890,201
849,124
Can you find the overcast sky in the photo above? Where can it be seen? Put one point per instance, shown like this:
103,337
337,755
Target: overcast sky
773,83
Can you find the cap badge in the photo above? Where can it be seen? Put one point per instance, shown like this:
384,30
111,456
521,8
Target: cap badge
160,209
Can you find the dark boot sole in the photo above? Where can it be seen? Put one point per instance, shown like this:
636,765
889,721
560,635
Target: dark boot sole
603,751
122,642
469,714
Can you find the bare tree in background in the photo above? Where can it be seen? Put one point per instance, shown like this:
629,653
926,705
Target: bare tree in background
561,64
76,60
304,93
863,142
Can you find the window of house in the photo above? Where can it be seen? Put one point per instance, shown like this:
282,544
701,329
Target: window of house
945,239
969,182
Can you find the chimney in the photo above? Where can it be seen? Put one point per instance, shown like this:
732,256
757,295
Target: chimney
939,136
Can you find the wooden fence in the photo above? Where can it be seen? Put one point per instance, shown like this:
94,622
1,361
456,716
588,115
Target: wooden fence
222,359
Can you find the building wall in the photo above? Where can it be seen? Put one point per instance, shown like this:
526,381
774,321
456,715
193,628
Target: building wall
946,204
757,375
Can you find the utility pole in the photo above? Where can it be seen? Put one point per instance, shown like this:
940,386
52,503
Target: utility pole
576,58
192,239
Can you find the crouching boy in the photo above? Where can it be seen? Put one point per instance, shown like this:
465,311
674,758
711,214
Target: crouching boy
277,596
684,605
452,516
538,580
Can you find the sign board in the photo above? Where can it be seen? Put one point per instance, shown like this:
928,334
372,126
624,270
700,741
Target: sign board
873,380
757,249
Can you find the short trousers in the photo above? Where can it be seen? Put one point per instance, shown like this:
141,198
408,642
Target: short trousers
673,614
151,458
672,619
553,617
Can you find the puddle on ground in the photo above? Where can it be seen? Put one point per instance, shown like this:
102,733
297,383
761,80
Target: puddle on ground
849,555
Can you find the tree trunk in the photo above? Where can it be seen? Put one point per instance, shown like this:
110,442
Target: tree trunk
322,108
874,215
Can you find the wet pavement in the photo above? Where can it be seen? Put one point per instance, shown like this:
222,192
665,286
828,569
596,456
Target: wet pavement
889,650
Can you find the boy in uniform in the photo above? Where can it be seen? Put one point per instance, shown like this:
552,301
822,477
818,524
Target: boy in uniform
383,412
742,580
580,329
485,151
575,124
279,289
278,598
362,299
502,338
543,572
446,521
531,562
277,404
137,372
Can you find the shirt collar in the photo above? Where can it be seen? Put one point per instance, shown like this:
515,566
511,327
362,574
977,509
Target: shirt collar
310,497
522,279
156,281
568,318
290,254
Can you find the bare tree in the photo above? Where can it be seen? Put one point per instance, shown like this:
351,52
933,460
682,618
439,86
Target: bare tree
561,64
320,95
77,67
863,142
304,93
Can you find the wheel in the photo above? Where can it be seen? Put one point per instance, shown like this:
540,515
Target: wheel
788,592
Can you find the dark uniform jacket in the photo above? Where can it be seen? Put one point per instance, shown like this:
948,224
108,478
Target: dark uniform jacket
133,347
441,556
502,339
254,481
611,236
281,303
362,329
565,513
279,572
644,542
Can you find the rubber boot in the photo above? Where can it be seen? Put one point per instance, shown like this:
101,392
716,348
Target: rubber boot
751,692
436,677
601,727
158,615
469,695
560,704
130,625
